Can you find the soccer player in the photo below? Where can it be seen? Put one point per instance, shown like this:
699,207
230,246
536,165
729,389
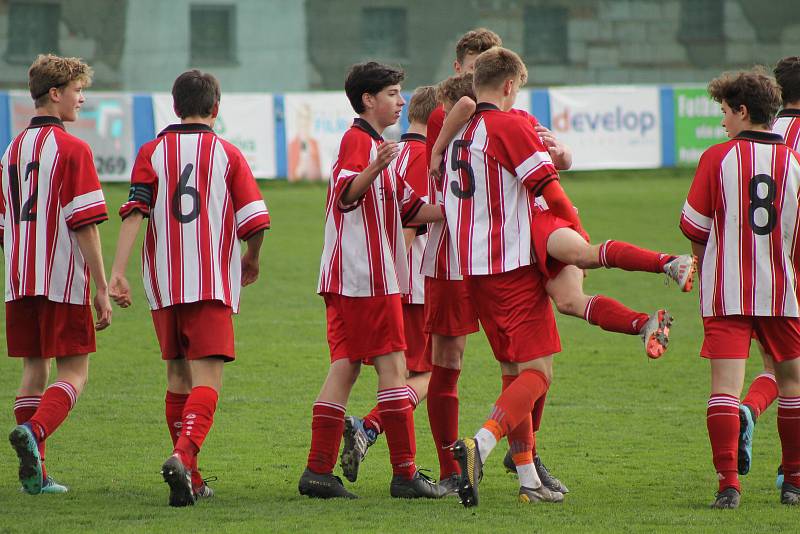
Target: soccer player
409,166
363,272
764,389
200,197
50,206
741,215
498,155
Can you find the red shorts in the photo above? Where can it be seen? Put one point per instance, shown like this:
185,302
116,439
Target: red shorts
195,330
418,343
360,328
516,314
40,328
544,223
728,337
448,308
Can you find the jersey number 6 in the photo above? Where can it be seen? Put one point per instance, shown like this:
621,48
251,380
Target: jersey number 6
462,164
764,202
185,189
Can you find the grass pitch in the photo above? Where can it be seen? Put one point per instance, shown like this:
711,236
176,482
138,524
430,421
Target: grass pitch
626,435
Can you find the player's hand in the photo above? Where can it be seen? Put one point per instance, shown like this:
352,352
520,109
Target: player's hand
550,141
249,269
435,170
102,305
386,153
120,290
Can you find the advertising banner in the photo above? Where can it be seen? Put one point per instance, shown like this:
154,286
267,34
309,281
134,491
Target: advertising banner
608,127
697,124
105,122
245,119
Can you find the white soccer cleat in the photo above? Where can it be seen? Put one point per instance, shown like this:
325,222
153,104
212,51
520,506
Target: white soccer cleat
682,270
655,334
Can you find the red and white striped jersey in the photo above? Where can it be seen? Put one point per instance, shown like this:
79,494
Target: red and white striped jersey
495,167
363,254
410,166
50,189
788,125
201,198
743,206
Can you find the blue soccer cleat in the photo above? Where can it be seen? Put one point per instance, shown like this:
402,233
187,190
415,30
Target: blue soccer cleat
26,446
747,424
779,478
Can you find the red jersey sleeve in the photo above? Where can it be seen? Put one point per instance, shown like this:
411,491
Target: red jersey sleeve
354,154
519,149
435,123
410,203
696,217
417,173
81,197
249,207
2,206
144,184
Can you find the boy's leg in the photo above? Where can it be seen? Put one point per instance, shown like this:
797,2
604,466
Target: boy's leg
788,375
200,406
61,396
722,421
35,373
179,386
764,389
448,354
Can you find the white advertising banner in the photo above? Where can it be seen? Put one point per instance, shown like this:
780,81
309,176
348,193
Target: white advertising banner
608,127
246,120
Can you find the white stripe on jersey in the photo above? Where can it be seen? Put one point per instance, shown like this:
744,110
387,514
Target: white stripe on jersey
82,203
245,214
696,219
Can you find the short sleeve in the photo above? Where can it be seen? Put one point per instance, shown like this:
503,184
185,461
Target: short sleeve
435,123
417,173
354,154
144,184
250,210
696,217
519,149
82,200
410,203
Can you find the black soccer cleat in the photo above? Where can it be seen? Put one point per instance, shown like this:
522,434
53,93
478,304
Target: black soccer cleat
727,499
323,486
180,482
790,495
450,485
508,462
466,453
419,486
548,480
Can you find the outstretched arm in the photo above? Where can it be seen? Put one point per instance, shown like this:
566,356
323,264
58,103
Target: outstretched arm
560,205
559,152
428,213
119,288
458,116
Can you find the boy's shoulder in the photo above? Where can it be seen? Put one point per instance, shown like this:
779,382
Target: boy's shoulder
359,136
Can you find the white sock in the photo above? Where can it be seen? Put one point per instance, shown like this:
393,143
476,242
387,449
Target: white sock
486,443
528,476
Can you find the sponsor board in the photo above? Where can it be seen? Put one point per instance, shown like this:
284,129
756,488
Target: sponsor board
697,124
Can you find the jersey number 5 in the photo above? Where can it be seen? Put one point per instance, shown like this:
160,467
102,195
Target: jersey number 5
28,210
762,202
462,164
184,189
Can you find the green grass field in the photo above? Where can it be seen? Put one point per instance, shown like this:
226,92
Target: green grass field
626,435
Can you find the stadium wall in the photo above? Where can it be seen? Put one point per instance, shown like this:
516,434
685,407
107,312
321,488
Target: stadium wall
295,135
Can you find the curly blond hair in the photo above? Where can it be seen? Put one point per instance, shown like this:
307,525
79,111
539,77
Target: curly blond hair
49,71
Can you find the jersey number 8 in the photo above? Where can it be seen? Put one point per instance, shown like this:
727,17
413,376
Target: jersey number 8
762,202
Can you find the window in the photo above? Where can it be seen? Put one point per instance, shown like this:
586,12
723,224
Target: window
213,34
545,39
32,30
383,32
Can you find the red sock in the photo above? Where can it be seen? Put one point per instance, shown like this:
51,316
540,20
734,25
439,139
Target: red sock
198,416
327,427
174,404
763,392
789,431
443,416
722,419
57,401
613,316
516,402
536,419
520,439
24,408
373,419
632,258
197,478
397,416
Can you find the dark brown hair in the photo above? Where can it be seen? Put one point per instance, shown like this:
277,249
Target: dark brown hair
754,89
475,42
195,93
497,65
453,88
371,78
787,74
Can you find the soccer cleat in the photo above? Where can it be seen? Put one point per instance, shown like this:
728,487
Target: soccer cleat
419,486
356,443
655,334
779,478
508,462
26,446
747,424
465,452
726,499
540,494
204,491
50,486
548,481
450,485
682,270
790,494
323,486
180,482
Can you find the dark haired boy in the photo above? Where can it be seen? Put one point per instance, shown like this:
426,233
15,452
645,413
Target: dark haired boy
363,272
200,198
741,215
50,205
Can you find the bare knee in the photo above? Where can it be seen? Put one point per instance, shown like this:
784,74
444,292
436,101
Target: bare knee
35,374
573,304
448,351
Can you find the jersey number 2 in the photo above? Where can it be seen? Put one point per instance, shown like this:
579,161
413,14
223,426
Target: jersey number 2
27,212
184,189
764,202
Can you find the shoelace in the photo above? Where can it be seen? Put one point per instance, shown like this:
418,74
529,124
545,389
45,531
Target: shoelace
210,479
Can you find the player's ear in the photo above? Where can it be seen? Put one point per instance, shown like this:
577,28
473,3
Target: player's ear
215,111
55,94
368,100
457,67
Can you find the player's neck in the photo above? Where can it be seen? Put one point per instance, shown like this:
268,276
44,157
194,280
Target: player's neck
492,97
792,105
417,128
196,119
49,110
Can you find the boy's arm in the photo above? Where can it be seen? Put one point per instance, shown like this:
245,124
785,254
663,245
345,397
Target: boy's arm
561,153
88,238
427,213
699,251
120,290
250,258
358,186
459,115
560,205
408,236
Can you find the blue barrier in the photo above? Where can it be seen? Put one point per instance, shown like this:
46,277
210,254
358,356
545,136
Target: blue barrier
5,121
281,167
667,127
143,123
